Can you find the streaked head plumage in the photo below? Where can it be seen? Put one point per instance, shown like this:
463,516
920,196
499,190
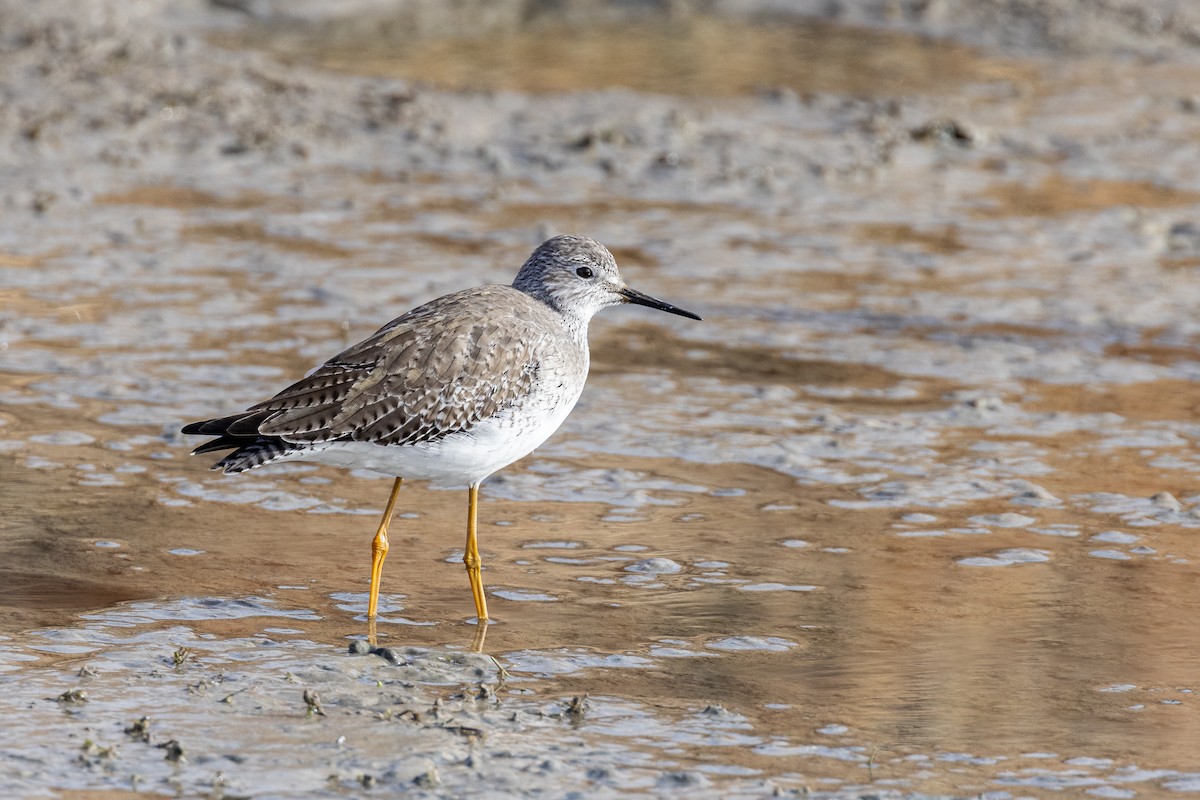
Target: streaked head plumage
578,276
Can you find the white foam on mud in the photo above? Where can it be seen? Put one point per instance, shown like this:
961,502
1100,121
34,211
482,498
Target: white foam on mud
1005,520
777,587
1006,558
1115,537
654,566
523,595
1112,555
771,644
63,438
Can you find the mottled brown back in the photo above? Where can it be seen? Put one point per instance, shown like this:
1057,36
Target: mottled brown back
437,370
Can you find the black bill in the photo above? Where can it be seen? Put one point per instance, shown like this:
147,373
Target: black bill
634,296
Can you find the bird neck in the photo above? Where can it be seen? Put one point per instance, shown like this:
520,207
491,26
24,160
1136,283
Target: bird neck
576,325
571,317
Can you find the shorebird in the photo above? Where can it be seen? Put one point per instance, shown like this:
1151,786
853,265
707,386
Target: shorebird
449,392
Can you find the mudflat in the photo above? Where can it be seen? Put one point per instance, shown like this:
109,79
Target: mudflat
912,512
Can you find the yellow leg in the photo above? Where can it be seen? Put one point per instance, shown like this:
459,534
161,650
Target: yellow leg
471,557
379,549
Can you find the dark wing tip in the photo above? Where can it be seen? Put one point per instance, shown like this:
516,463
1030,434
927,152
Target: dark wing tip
195,428
223,443
243,424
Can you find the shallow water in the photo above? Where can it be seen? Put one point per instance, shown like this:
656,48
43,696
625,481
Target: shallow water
914,505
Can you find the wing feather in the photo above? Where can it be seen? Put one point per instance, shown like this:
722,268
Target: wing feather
437,370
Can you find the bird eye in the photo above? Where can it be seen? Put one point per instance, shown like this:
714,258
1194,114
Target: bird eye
584,272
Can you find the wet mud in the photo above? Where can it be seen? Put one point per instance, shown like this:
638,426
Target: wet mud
911,513
649,54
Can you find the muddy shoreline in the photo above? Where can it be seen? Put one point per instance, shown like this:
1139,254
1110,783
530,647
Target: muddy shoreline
912,513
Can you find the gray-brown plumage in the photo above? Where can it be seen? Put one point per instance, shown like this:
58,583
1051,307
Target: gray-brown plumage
434,372
449,392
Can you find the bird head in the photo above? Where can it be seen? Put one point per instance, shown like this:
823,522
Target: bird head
577,276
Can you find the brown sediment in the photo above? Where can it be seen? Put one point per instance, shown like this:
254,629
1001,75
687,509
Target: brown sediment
108,794
575,216
291,364
452,244
1172,264
894,635
633,257
760,244
392,212
1168,399
1081,467
379,176
183,197
828,281
92,311
1008,330
253,232
1150,351
657,57
944,240
647,347
584,213
249,551
1079,464
14,260
1059,194
898,641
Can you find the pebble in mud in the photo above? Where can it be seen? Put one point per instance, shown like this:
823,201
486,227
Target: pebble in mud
173,750
389,654
1166,500
683,780
312,703
1035,495
73,696
428,779
139,730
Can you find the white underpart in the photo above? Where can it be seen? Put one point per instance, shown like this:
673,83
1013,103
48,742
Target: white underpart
460,459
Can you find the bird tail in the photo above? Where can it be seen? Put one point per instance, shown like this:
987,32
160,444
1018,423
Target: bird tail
239,433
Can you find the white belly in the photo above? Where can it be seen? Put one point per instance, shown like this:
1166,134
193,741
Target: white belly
460,459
